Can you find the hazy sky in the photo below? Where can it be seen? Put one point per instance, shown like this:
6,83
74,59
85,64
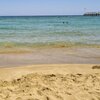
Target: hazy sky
47,7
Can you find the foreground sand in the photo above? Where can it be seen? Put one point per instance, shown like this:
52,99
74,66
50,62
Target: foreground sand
50,82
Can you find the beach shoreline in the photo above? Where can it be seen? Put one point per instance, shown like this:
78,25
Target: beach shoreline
50,73
73,55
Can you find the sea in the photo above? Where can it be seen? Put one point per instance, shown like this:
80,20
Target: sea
49,30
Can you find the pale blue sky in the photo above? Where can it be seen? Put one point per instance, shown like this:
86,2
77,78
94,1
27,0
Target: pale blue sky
47,7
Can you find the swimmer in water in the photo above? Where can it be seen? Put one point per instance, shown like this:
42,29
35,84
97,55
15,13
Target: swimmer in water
65,22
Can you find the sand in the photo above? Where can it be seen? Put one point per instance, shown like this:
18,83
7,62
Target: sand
50,56
50,82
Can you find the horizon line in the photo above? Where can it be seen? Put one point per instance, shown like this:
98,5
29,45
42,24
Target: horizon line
43,15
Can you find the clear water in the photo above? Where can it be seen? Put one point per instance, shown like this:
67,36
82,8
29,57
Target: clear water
50,30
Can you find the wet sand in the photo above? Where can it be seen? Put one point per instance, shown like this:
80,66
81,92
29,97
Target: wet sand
51,56
50,74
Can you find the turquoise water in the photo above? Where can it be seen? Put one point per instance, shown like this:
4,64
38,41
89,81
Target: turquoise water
50,30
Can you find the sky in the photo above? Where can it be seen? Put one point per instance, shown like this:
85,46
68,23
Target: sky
47,7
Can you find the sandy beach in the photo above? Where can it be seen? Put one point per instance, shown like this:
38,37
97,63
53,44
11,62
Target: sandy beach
49,57
50,82
49,49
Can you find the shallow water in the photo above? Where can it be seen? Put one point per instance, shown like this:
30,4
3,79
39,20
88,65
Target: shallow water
49,30
51,56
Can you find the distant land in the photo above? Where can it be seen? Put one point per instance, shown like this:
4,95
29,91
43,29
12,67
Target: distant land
92,14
